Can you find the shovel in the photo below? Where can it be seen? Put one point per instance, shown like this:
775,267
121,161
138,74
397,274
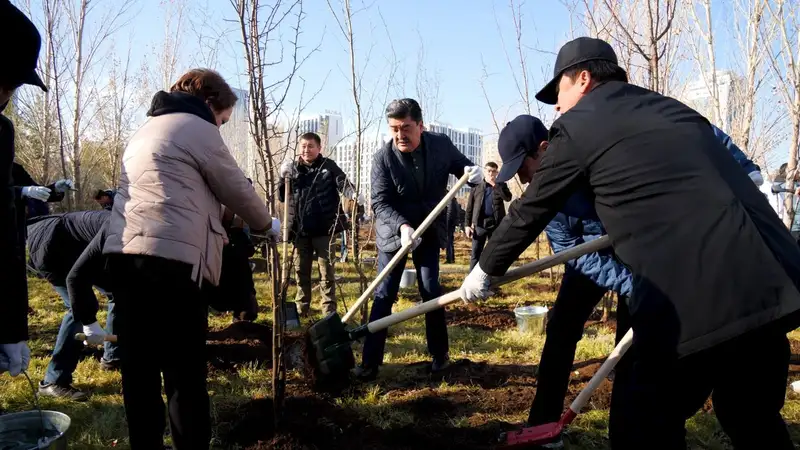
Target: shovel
406,248
546,433
330,351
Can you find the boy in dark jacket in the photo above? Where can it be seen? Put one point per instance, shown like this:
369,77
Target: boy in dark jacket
715,272
18,68
55,244
316,183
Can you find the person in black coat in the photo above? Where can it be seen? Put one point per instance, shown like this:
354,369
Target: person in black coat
316,184
18,68
55,243
715,272
485,210
409,178
452,221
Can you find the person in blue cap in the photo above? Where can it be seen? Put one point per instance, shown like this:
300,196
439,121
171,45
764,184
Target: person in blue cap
714,272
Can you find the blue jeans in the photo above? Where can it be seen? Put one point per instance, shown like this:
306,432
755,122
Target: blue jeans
426,261
67,350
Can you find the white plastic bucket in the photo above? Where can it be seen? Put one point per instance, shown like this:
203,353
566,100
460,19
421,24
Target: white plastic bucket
409,278
531,319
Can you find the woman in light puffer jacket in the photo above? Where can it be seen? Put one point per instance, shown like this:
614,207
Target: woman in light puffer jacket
165,240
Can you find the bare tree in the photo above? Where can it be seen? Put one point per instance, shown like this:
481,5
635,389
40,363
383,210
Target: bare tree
785,61
427,83
702,45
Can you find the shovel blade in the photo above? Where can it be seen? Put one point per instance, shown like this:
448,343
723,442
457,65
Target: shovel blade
538,435
291,320
331,346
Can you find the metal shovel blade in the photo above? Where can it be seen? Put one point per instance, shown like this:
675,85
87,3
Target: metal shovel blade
291,320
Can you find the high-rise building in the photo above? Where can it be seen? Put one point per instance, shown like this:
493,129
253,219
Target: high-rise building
468,141
329,126
344,156
698,96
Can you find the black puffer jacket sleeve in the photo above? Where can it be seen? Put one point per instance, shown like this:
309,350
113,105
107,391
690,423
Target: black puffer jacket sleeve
382,193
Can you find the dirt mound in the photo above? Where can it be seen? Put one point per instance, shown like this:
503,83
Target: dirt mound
482,318
466,372
239,343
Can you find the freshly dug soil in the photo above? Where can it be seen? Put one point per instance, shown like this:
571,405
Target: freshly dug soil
450,419
239,343
481,317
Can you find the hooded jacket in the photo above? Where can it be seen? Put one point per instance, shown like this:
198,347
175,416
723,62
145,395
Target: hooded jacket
176,175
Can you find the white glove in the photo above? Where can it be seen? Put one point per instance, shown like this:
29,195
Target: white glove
361,200
475,174
14,358
40,193
64,185
756,177
288,169
476,285
94,334
405,237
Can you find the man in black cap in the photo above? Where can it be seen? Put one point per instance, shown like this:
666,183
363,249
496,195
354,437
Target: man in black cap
715,272
18,68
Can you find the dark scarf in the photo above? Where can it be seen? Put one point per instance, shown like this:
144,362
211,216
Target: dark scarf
180,102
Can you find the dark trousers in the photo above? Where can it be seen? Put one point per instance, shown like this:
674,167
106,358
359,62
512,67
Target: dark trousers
163,326
478,242
67,350
450,250
426,261
575,302
655,393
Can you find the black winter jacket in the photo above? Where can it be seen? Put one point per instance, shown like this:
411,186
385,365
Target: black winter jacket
396,199
475,214
56,241
452,215
710,258
315,198
13,276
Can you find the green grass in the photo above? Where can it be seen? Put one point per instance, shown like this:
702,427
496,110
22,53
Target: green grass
99,423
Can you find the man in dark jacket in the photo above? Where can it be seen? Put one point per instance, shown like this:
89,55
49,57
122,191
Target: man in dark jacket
452,221
18,68
409,178
55,243
715,272
316,183
105,198
485,210
586,279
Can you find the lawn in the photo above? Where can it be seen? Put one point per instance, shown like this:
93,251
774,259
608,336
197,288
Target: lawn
488,389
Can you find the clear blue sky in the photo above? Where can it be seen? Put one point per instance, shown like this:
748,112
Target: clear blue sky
457,35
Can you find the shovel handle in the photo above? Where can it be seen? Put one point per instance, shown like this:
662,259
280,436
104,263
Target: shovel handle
510,276
108,338
405,249
606,368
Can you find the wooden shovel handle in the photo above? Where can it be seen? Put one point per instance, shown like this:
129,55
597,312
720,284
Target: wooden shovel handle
108,338
512,275
405,249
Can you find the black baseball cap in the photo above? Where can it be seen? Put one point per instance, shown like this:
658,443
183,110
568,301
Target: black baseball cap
22,43
519,137
572,53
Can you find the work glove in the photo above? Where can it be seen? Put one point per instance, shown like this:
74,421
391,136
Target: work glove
40,193
476,285
361,199
288,169
14,358
94,334
756,177
64,185
475,174
405,237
